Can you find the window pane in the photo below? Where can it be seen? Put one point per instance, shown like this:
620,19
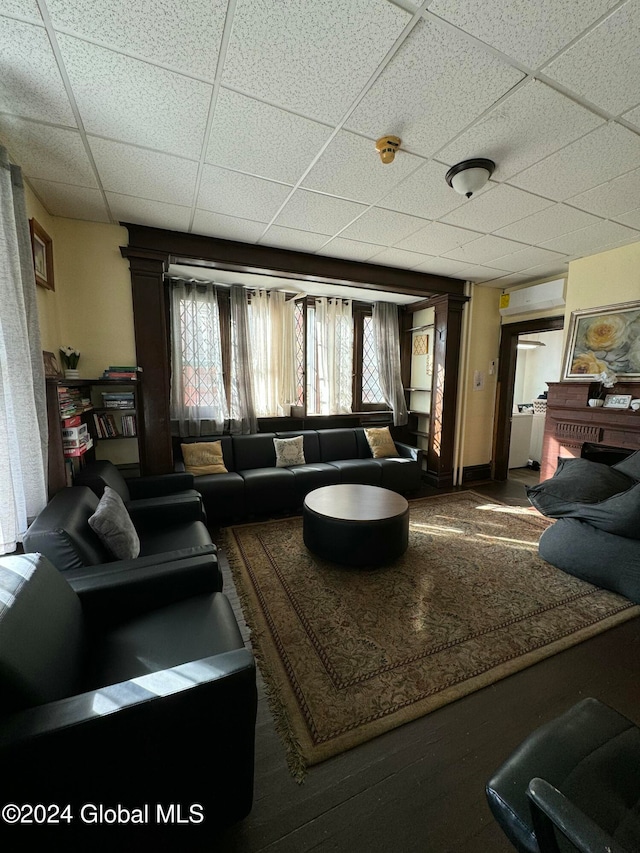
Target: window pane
371,391
299,356
201,361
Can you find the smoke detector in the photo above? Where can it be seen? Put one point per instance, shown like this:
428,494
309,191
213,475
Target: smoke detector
387,146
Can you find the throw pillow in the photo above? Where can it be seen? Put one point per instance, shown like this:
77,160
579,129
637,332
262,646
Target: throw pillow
203,457
577,482
112,524
630,466
380,442
289,451
619,514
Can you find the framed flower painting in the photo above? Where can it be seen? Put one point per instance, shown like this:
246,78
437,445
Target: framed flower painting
604,340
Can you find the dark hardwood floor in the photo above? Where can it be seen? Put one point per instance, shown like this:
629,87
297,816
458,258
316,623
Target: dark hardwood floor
421,786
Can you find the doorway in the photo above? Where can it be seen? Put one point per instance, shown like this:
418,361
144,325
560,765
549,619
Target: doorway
505,414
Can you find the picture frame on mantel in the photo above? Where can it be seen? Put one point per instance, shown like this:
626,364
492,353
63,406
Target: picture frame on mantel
603,339
42,249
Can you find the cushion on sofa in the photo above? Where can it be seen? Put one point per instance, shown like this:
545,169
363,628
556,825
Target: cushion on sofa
203,457
380,442
289,451
630,466
112,524
577,482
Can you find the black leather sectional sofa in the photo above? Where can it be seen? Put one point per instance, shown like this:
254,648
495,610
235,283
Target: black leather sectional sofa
255,486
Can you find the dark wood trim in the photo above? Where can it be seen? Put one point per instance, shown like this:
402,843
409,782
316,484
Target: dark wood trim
505,383
444,388
152,348
211,252
473,473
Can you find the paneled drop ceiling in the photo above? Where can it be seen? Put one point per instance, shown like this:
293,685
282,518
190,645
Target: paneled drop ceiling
255,120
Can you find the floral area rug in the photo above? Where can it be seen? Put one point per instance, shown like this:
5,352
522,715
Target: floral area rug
347,654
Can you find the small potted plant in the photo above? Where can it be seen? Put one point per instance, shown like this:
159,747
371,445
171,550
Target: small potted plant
606,380
70,358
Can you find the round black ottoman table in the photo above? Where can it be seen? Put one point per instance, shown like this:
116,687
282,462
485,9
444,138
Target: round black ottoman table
360,526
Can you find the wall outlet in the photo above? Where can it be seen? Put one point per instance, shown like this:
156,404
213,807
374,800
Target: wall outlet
478,380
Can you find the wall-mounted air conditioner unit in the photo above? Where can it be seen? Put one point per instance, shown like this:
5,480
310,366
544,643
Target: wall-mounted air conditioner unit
538,297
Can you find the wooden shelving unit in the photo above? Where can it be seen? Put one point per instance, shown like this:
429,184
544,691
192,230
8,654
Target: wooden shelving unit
59,469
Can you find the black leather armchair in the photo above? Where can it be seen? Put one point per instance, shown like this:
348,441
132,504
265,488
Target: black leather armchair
148,499
124,692
576,777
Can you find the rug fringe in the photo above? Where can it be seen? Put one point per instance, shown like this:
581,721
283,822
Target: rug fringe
293,753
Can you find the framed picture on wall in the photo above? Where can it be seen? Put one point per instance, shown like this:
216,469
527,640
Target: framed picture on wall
601,339
51,366
42,248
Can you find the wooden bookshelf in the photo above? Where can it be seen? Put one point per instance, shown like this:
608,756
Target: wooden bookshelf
61,467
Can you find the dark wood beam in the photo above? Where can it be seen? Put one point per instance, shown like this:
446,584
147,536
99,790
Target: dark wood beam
214,253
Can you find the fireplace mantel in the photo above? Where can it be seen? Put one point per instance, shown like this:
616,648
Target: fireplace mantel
571,422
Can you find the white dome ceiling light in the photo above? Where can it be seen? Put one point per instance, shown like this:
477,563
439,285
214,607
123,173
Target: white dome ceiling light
469,176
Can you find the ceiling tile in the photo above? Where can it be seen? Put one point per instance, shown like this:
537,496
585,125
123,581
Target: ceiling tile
44,151
529,124
253,137
351,250
351,168
31,83
71,201
432,88
481,273
424,193
156,214
618,196
226,227
633,116
398,258
583,164
293,238
590,240
442,266
241,195
184,36
384,227
525,258
148,174
484,249
322,214
495,209
529,32
550,222
603,66
437,238
22,9
632,219
308,56
132,101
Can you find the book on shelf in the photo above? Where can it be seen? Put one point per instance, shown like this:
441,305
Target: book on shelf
71,402
118,400
122,372
105,425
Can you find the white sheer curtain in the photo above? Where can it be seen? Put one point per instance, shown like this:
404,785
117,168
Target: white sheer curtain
271,322
198,399
385,324
23,414
334,355
243,413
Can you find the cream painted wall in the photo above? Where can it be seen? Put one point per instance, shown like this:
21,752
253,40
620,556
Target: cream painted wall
94,304
47,300
603,279
482,348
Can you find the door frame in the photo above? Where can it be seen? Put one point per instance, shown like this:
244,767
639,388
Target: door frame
507,355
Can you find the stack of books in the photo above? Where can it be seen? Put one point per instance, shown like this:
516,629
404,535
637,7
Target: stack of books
120,372
105,425
72,402
76,440
118,400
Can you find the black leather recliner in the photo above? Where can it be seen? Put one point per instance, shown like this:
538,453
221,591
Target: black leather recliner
165,496
576,777
125,689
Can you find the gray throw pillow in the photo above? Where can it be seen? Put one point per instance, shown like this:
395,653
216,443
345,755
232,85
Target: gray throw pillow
619,514
577,482
630,466
289,451
112,524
